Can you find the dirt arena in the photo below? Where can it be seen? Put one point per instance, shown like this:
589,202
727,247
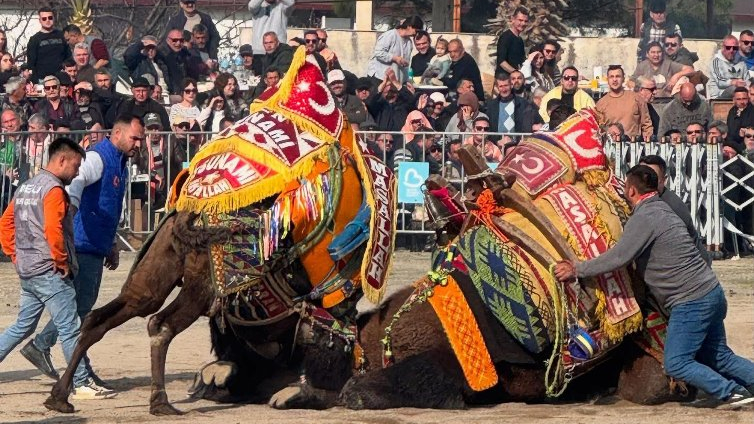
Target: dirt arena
122,358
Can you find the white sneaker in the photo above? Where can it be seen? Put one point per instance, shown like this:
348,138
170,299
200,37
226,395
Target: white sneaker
91,391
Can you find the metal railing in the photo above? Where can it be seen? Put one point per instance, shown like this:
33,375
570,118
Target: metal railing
715,189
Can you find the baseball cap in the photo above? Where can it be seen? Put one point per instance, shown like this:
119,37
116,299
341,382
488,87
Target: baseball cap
141,82
246,49
336,75
152,120
657,6
363,83
438,97
180,119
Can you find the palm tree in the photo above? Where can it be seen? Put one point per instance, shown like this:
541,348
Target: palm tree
545,20
81,15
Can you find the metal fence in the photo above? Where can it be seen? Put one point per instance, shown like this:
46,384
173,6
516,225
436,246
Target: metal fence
719,192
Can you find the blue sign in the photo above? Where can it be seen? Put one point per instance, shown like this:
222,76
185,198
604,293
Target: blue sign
411,177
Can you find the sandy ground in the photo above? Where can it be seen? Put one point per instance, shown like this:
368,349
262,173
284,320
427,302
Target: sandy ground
122,358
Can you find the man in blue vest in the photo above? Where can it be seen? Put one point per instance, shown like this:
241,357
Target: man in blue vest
97,195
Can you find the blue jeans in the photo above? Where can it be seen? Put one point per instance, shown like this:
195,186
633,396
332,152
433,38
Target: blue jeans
696,350
86,283
55,293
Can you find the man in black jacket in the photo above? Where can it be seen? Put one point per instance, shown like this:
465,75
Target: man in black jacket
140,104
47,48
189,17
463,66
424,53
176,58
511,113
741,115
143,57
391,104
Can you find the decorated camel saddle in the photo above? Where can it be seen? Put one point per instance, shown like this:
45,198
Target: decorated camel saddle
297,190
552,198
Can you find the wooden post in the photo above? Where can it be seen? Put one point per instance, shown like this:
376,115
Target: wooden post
456,16
638,17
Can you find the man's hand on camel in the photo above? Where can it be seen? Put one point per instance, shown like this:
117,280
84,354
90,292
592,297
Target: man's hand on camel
565,271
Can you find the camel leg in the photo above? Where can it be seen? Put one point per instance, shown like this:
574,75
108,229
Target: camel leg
193,301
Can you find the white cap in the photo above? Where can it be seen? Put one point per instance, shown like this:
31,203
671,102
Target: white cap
336,75
437,97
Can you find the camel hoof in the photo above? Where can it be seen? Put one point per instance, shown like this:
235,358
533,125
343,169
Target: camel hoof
281,399
162,409
54,404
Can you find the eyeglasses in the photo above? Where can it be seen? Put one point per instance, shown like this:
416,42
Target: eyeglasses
385,140
434,149
747,42
190,90
550,51
46,18
571,78
671,44
183,125
51,87
692,132
176,40
310,41
652,89
734,48
481,128
748,135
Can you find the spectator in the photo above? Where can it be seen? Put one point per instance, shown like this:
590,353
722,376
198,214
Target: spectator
625,107
740,116
551,50
675,51
686,107
452,169
392,103
536,96
718,132
200,45
189,17
54,108
99,56
655,29
143,57
271,78
3,41
269,16
278,55
35,149
226,123
85,71
479,129
510,45
187,106
175,57
424,52
349,104
534,71
363,88
90,113
664,71
647,88
152,159
751,94
47,48
418,150
695,133
246,73
330,57
15,98
393,50
568,92
211,117
141,103
384,147
518,83
746,48
726,75
156,94
226,86
463,120
310,44
509,113
463,66
437,114
439,64
736,170
673,136
71,69
415,122
616,131
7,69
104,92
66,85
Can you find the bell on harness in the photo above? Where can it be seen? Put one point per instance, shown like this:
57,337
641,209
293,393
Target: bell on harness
581,345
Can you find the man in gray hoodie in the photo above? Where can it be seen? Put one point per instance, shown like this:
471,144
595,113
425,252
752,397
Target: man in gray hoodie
685,108
266,16
667,259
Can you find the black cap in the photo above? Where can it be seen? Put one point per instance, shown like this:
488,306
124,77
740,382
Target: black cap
64,78
246,50
141,82
657,6
363,83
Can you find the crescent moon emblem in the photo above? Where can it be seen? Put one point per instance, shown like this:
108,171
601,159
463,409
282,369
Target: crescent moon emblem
540,166
570,140
323,109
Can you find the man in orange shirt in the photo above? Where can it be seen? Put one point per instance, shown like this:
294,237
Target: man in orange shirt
36,232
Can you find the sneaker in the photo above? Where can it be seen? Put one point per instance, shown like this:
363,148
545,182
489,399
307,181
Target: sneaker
40,359
738,399
98,381
91,391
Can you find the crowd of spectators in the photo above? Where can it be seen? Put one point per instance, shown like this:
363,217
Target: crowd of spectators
415,86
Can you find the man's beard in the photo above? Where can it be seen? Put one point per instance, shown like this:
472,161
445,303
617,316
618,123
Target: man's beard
518,91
